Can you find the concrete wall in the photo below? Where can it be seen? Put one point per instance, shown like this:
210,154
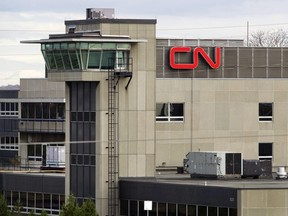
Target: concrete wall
263,202
222,115
41,89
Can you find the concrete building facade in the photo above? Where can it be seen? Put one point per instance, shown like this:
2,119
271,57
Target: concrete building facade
135,104
41,119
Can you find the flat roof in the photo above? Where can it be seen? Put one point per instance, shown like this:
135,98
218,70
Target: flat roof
112,21
229,182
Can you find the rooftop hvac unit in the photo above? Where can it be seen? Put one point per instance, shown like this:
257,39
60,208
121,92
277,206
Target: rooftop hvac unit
214,164
251,168
100,13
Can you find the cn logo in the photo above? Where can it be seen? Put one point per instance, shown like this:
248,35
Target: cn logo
198,50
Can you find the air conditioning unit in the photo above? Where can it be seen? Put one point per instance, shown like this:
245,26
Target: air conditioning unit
100,13
214,164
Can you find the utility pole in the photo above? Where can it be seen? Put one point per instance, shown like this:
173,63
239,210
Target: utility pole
247,33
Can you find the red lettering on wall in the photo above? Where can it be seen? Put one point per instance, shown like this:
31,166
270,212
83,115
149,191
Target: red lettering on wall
198,50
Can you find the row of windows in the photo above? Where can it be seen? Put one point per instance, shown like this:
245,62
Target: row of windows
136,208
8,142
43,110
174,112
75,56
79,159
83,116
38,151
8,109
35,201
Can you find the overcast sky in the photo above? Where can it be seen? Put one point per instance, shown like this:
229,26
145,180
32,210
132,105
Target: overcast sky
35,19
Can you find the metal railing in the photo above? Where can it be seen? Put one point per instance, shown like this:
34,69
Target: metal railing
42,125
19,164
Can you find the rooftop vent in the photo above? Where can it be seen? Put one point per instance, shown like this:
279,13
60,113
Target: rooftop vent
100,13
71,29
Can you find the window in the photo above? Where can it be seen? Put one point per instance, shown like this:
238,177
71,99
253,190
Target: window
43,111
94,59
35,152
170,112
265,151
122,60
265,111
8,109
8,142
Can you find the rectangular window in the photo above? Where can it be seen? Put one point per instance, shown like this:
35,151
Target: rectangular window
108,58
94,59
7,142
170,112
181,210
34,152
122,60
265,151
8,109
265,111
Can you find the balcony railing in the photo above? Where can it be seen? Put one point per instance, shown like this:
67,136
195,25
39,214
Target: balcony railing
42,125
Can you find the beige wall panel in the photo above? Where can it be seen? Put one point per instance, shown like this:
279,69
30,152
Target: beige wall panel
150,55
266,85
277,211
132,127
162,150
263,202
266,96
141,90
251,85
251,96
124,29
236,96
280,96
276,198
123,165
141,165
132,165
280,85
280,116
207,96
101,149
250,122
150,90
105,28
222,96
142,31
207,110
150,164
236,113
279,153
133,30
222,118
115,29
236,85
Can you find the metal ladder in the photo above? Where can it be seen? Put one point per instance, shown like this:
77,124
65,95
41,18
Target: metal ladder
113,167
113,130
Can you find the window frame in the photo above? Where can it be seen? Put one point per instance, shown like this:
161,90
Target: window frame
170,118
265,118
9,109
34,148
265,157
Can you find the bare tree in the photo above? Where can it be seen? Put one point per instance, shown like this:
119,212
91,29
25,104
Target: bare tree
270,38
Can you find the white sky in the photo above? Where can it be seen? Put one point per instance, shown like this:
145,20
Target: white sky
36,19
